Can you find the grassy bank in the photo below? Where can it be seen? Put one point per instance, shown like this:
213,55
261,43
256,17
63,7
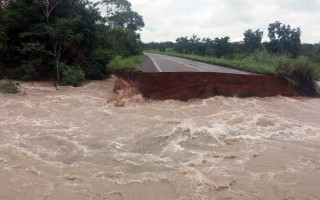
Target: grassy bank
300,72
125,66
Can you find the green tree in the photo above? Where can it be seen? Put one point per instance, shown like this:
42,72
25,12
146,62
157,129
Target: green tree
284,39
181,45
36,36
209,47
252,40
312,51
222,46
162,47
62,36
115,6
126,20
194,45
123,23
20,23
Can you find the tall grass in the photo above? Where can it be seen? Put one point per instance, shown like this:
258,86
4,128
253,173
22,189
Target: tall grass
300,73
125,66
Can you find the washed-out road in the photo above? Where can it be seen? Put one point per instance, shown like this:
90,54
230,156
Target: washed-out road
164,63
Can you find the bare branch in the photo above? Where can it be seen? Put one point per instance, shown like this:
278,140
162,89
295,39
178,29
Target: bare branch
47,6
48,52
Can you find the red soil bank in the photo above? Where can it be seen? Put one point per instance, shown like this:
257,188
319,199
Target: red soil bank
188,85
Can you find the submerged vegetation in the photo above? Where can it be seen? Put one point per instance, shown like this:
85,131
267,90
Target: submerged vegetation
283,55
8,87
67,41
71,75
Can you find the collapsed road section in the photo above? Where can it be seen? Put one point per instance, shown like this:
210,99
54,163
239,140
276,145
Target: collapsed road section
189,85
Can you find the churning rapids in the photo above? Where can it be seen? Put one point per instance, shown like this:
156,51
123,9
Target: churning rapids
72,144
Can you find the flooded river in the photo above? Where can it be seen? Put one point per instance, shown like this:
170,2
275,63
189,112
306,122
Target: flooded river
72,144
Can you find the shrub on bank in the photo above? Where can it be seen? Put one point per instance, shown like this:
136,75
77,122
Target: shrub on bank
29,69
71,75
8,87
125,66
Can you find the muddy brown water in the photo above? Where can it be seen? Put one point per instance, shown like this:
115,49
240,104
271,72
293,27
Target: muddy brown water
72,144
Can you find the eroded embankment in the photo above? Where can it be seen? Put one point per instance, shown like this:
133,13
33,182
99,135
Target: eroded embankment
189,85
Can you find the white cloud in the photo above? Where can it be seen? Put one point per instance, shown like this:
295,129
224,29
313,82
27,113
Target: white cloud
167,20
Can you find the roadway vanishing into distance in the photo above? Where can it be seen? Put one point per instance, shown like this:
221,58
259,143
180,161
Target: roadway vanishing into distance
164,63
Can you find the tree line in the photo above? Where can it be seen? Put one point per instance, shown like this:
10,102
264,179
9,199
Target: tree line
65,40
283,40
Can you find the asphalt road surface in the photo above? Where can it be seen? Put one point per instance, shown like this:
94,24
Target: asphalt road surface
163,63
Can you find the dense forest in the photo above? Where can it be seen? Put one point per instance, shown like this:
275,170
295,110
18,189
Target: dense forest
65,41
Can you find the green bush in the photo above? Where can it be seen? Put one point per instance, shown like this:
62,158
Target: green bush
125,66
95,65
8,87
95,70
29,69
71,75
103,56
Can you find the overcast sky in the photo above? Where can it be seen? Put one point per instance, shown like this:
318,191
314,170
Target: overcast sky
166,20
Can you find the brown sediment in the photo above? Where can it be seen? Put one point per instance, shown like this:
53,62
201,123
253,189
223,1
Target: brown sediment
71,177
231,157
125,90
189,85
